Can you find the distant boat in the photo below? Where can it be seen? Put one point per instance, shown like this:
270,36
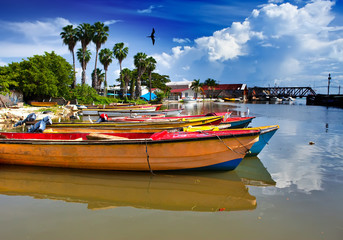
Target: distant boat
233,99
43,104
189,100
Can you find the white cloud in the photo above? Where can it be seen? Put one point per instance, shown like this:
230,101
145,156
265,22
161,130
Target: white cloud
109,22
277,41
149,9
181,40
38,30
2,63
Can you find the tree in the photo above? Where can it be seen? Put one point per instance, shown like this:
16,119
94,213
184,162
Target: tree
70,39
40,76
7,81
100,75
196,86
99,38
105,56
84,58
120,53
210,83
140,61
126,75
151,65
84,33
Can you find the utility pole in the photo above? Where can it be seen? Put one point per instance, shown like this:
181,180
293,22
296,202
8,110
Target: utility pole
329,78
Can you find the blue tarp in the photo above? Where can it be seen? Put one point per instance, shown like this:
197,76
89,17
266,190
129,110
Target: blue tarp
147,96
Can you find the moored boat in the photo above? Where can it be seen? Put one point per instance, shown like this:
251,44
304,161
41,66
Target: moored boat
220,150
178,123
43,104
266,134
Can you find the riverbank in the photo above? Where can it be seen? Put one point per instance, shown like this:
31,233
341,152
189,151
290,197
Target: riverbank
9,116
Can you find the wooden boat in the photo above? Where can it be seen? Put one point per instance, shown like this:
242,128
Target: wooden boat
119,112
230,122
266,134
132,113
43,104
187,191
220,150
178,123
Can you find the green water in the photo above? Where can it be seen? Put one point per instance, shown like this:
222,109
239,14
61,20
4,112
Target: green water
292,190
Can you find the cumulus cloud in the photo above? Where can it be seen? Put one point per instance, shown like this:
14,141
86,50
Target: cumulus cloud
276,42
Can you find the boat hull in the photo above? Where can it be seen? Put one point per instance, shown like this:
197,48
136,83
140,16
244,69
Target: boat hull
174,153
267,133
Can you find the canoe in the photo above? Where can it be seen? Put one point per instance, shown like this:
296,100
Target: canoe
97,190
138,112
230,122
220,150
266,134
139,125
43,104
119,112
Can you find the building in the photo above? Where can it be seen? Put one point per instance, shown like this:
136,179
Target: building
180,90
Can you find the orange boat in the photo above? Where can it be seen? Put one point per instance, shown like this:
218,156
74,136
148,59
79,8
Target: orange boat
210,150
43,104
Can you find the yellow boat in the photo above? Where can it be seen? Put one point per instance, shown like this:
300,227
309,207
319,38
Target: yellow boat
170,124
266,134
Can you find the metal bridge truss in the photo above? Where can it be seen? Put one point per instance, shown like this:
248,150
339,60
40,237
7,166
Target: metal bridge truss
288,91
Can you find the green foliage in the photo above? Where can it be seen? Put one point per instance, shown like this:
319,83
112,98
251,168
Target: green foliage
7,79
40,77
85,94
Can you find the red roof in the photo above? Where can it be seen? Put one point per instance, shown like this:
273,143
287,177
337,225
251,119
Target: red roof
178,90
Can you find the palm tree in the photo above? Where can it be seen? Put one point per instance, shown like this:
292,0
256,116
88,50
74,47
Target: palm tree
83,58
196,86
84,33
70,39
99,38
105,56
126,74
120,53
100,75
140,61
210,83
151,65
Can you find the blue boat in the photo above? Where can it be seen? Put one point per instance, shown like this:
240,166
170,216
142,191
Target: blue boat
266,134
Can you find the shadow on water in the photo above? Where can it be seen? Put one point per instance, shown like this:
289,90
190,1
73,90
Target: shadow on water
176,190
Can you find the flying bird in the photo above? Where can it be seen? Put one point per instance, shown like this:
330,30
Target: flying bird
152,36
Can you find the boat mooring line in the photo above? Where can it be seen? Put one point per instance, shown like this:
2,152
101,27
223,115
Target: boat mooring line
147,156
228,146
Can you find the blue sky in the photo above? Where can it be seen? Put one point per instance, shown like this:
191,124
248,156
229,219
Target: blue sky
260,43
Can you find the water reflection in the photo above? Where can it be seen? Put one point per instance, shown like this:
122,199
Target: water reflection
179,191
252,172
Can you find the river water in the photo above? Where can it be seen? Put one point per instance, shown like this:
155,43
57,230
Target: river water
292,190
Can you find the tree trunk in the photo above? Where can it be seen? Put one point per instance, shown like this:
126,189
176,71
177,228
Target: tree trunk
74,80
95,80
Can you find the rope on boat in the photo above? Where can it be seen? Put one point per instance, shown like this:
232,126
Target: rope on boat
231,148
147,156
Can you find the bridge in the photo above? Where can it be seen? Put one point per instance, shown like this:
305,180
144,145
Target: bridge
284,91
